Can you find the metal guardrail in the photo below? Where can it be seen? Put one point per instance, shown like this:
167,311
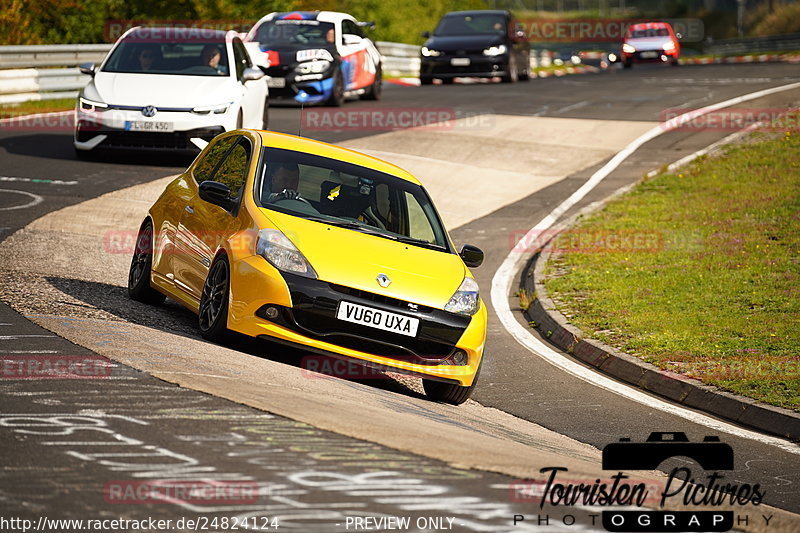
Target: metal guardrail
773,43
25,75
56,55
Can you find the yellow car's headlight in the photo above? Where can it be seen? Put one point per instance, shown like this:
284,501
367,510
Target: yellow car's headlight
276,248
465,301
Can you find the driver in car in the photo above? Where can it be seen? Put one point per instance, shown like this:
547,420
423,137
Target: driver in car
284,178
210,57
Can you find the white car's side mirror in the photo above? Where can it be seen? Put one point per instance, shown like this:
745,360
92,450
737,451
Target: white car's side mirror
251,74
88,69
351,40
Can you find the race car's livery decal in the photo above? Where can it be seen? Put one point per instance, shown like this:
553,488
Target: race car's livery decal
299,15
273,57
358,70
314,53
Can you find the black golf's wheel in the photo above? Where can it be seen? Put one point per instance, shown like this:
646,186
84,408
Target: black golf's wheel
376,89
139,288
213,314
448,81
337,93
525,73
512,75
450,392
425,80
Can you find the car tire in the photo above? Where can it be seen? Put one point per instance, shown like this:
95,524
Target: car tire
525,75
374,91
512,75
212,316
627,64
448,81
337,93
450,392
425,80
674,62
265,115
139,288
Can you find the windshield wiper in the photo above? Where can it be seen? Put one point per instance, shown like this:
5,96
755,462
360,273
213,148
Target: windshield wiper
420,242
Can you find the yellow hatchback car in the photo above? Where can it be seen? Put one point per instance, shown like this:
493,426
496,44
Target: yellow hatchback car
302,242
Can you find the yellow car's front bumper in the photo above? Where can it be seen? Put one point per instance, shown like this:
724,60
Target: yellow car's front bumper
306,317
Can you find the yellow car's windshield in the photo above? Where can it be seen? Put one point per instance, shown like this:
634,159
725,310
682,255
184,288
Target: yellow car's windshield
346,195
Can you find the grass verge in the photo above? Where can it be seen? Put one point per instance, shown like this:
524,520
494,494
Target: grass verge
40,106
698,271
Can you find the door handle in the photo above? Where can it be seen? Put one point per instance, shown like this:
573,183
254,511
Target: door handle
189,209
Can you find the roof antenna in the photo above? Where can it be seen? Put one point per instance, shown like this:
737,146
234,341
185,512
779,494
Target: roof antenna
302,97
300,126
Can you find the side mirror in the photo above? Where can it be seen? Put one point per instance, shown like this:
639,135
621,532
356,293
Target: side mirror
426,34
519,34
679,36
216,193
351,40
472,255
251,74
87,68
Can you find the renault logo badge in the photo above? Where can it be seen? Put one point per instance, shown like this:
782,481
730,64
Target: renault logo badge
149,111
383,280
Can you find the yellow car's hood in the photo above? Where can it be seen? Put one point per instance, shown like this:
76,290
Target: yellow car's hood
348,257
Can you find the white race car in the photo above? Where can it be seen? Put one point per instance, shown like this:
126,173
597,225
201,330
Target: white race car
316,57
170,88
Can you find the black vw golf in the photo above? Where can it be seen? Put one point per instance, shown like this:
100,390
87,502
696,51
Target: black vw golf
484,44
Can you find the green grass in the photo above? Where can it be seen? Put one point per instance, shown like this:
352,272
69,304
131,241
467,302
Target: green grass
40,106
718,296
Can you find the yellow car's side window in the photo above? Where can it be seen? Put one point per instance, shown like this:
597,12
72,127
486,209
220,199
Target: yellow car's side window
204,167
233,170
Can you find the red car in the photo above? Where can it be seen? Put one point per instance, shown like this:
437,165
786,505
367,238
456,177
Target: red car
650,42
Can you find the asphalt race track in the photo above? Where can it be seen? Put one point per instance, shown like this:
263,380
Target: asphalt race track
320,450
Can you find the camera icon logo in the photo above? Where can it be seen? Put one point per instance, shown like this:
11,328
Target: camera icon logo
710,454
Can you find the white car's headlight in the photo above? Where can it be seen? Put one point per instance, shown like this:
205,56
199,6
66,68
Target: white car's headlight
495,50
669,45
466,300
427,52
313,67
91,105
276,248
628,49
218,109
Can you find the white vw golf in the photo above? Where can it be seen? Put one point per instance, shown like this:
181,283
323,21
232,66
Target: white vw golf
170,89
